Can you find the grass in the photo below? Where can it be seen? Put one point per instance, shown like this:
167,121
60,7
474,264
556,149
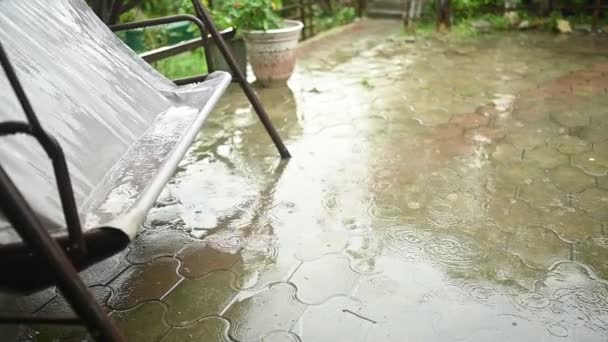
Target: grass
367,83
325,21
186,64
426,29
462,27
193,62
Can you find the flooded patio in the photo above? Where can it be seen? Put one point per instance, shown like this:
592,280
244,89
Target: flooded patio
441,190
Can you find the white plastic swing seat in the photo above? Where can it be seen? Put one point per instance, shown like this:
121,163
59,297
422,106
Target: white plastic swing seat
122,126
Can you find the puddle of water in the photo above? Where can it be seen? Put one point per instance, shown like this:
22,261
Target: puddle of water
448,179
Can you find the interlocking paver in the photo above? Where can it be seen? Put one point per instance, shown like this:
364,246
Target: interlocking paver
569,144
194,299
519,173
508,154
469,120
315,245
571,179
535,135
591,163
572,225
570,118
593,133
486,135
152,244
143,323
546,157
140,283
105,271
509,213
212,329
311,278
198,259
544,194
538,247
593,252
261,274
24,304
281,336
347,321
594,202
273,308
602,182
398,219
59,307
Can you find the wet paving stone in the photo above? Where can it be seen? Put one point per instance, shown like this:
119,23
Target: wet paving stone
593,134
594,202
311,278
140,283
447,131
198,260
59,307
258,275
338,319
486,135
509,214
143,323
11,303
593,252
534,136
151,244
103,272
591,163
602,182
209,329
517,174
546,157
273,308
570,119
194,299
469,120
314,246
379,297
280,336
570,288
414,209
434,117
569,144
542,195
507,154
525,243
571,179
572,225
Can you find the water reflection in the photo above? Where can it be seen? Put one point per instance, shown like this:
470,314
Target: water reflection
458,187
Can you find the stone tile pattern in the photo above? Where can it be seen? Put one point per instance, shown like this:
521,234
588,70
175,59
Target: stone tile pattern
411,275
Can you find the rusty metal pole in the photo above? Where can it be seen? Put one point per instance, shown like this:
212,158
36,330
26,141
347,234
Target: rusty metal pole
25,222
444,17
115,12
238,74
596,15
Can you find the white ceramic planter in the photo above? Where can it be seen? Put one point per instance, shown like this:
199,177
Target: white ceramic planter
272,53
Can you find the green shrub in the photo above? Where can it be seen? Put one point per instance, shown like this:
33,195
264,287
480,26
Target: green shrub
183,65
251,14
325,20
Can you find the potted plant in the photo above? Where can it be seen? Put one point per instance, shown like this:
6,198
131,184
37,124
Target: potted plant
236,45
271,41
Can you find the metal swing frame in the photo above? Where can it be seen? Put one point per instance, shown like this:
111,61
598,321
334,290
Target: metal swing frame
29,226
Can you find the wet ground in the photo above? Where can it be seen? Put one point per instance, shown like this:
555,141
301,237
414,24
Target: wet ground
439,191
